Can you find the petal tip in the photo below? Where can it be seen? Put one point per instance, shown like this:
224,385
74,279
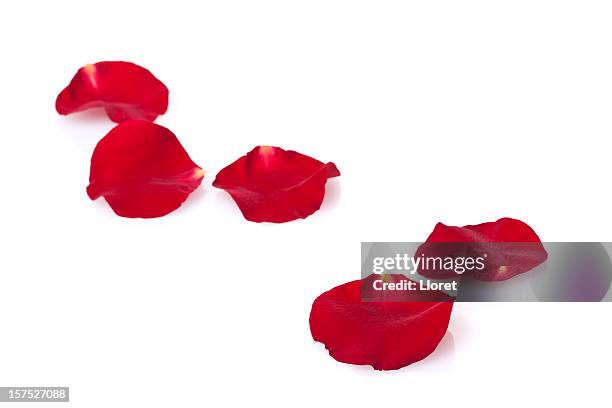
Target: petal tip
92,192
332,170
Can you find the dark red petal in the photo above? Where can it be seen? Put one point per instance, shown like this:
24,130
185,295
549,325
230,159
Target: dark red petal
385,335
125,90
512,247
270,184
142,170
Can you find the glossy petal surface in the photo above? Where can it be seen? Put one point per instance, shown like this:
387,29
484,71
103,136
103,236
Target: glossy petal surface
125,90
386,335
270,184
142,170
511,247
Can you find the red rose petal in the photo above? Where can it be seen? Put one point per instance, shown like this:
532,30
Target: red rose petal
512,247
385,335
125,90
142,170
270,184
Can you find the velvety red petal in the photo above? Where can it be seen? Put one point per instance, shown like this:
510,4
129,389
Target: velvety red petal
125,90
511,247
385,335
270,184
142,170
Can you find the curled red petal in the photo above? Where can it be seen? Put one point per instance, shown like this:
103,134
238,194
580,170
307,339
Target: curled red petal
125,90
142,170
270,184
511,246
385,335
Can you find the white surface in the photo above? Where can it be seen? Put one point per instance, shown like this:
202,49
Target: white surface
460,112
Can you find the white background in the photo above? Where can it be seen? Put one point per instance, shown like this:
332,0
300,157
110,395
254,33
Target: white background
461,112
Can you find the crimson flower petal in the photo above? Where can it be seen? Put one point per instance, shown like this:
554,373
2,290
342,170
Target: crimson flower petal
142,170
385,335
125,90
270,184
511,247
